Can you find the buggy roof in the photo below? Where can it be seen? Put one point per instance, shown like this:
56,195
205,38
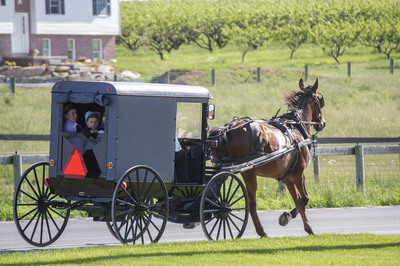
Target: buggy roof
132,89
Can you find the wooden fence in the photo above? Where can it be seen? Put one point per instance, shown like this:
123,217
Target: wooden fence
359,148
166,77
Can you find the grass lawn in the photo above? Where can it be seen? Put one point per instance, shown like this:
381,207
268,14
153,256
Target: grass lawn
361,249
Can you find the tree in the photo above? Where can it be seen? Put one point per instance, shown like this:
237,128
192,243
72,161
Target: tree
133,26
335,37
166,29
292,28
382,28
209,26
248,35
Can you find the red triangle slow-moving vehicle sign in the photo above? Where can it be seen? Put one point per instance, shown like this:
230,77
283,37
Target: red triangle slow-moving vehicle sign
75,166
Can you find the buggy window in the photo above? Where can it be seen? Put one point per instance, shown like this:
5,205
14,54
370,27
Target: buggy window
188,120
91,145
83,108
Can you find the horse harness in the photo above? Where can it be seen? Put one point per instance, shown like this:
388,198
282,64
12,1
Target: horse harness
281,124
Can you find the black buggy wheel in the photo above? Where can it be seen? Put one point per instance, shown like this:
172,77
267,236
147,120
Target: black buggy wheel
224,207
139,196
40,217
120,224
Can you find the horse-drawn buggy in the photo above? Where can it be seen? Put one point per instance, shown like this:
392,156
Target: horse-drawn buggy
145,162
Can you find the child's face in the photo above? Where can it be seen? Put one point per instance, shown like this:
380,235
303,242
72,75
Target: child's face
92,123
72,115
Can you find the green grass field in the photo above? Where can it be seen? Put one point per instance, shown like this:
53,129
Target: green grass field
361,249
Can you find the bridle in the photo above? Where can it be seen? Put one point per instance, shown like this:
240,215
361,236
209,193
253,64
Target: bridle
320,102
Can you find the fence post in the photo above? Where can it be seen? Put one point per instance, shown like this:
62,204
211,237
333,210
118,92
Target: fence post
349,70
391,66
282,186
12,85
360,178
306,72
17,163
316,168
213,80
259,74
166,77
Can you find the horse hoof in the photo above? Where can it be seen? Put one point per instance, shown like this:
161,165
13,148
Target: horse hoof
284,218
264,236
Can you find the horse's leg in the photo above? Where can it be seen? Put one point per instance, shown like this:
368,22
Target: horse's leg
302,209
297,189
250,180
286,216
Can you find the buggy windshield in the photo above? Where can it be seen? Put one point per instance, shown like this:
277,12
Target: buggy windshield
188,120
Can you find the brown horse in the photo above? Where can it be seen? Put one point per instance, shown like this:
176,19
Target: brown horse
243,139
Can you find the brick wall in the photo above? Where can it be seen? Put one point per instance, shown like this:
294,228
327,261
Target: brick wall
83,45
5,47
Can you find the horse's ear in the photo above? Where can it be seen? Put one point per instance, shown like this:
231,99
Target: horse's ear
301,84
315,87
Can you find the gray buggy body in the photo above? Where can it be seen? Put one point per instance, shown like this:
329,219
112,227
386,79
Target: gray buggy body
126,175
139,129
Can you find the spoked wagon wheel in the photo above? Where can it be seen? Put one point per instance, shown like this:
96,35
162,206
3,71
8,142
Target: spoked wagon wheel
224,207
40,217
139,197
120,224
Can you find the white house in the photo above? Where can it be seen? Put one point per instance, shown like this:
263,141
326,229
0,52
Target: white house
37,31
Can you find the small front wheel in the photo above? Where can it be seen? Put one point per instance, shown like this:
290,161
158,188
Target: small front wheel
224,207
40,217
140,206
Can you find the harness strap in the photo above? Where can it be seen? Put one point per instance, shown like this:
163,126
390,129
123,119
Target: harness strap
227,160
253,154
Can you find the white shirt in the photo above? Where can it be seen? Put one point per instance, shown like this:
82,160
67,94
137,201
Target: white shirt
70,126
178,146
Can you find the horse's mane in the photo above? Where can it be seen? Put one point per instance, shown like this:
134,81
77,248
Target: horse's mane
294,100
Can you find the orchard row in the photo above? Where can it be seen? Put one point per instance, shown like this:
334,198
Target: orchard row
334,25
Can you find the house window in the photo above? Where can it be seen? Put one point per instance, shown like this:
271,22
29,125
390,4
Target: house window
46,44
3,2
97,49
71,49
55,7
101,7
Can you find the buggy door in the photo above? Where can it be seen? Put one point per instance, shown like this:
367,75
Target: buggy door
146,134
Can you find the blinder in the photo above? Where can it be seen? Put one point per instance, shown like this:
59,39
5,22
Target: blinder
321,101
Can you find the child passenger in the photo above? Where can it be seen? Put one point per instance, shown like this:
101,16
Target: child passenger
70,117
92,120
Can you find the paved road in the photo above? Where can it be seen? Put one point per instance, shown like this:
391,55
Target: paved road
86,233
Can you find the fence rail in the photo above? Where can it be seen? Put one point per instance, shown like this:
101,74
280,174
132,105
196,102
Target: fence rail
171,76
359,149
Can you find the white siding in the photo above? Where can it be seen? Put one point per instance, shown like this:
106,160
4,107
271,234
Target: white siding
7,18
78,19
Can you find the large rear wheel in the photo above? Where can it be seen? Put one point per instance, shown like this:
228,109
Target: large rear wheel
224,207
39,216
140,206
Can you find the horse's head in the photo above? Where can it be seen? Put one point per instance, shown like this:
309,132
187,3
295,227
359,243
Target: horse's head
307,104
315,101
